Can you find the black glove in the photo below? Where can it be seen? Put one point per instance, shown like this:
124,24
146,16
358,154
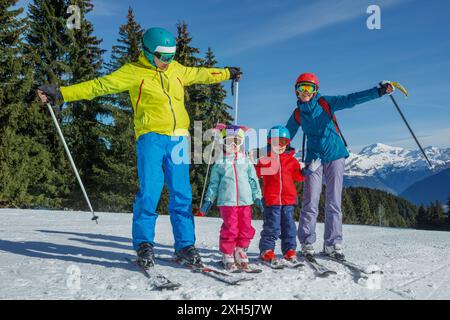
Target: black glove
235,73
52,92
385,88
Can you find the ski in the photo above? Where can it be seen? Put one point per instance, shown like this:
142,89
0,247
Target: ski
158,281
293,264
320,269
206,270
352,266
250,269
275,264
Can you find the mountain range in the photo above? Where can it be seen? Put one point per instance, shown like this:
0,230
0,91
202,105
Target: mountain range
397,170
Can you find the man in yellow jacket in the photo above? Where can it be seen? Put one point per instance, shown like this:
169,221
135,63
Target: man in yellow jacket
156,86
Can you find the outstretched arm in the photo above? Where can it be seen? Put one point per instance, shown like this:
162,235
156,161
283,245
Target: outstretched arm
349,101
200,75
118,81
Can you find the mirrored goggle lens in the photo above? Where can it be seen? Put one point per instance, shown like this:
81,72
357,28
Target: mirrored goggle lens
280,142
165,57
307,87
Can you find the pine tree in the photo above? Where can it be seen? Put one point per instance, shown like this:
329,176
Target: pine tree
436,215
348,209
119,179
422,217
362,207
86,128
217,110
29,165
50,61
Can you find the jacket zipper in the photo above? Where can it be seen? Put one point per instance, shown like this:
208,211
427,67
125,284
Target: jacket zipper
170,102
281,181
236,180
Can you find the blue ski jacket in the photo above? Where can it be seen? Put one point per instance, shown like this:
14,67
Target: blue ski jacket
323,140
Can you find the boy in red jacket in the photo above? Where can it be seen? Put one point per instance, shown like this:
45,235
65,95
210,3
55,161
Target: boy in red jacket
279,171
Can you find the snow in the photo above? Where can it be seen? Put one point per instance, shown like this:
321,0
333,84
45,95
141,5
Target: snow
41,253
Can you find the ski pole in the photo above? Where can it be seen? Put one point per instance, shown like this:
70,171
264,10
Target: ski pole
410,130
94,217
206,178
236,104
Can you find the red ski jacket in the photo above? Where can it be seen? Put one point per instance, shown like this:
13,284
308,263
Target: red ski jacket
279,172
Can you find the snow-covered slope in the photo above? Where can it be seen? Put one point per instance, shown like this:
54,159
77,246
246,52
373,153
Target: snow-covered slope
39,250
393,169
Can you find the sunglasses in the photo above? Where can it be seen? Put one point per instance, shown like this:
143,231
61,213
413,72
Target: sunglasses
306,87
233,140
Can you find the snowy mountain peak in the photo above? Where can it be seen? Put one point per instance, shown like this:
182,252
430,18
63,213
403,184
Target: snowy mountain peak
395,167
380,148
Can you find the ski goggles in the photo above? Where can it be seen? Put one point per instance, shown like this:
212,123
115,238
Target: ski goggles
164,57
282,142
306,87
233,140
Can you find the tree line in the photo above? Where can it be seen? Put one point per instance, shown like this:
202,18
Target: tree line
36,47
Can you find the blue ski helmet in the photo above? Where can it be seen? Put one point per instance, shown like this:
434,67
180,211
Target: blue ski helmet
158,40
279,132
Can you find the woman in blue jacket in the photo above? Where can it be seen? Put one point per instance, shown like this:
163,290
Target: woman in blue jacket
315,114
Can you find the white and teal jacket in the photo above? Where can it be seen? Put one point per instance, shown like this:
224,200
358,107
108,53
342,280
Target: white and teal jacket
233,182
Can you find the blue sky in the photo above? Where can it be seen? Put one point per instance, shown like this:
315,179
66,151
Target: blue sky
274,41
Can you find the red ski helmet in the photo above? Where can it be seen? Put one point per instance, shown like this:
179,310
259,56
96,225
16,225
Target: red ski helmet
307,77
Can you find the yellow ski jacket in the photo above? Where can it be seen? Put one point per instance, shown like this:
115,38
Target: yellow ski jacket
157,96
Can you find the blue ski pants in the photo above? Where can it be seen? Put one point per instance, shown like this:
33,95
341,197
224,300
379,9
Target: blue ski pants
279,222
159,159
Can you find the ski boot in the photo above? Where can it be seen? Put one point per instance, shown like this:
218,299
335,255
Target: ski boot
188,256
241,258
228,263
334,252
308,250
291,256
145,256
269,258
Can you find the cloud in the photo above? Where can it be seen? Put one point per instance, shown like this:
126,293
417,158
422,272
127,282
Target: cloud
104,8
302,20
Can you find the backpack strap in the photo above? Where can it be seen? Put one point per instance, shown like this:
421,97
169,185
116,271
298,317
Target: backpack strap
299,121
297,116
326,107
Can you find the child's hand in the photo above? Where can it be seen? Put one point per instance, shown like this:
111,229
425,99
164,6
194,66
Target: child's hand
260,204
205,208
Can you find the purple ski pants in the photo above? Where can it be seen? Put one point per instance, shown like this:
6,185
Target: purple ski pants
332,175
